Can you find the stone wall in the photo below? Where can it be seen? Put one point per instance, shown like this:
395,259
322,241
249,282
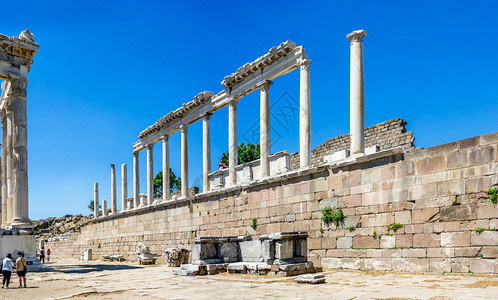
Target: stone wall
387,135
437,195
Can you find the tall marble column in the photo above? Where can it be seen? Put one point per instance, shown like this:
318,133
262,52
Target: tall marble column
96,200
4,168
124,187
8,167
184,157
206,151
233,150
150,174
104,208
136,180
166,194
357,92
20,217
114,198
264,127
305,115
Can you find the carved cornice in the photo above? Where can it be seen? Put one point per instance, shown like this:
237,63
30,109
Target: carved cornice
356,36
198,100
264,85
274,54
22,46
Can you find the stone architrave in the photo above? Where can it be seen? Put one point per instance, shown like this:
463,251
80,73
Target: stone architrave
184,157
114,200
124,187
357,92
305,114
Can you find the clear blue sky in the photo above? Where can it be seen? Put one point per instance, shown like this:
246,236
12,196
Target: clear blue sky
108,69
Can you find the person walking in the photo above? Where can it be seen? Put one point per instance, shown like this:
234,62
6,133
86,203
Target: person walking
42,255
21,269
7,266
48,255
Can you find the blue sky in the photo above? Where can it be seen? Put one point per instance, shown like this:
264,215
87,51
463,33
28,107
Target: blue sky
108,69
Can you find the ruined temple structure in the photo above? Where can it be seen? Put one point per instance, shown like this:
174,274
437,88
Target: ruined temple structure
16,58
396,207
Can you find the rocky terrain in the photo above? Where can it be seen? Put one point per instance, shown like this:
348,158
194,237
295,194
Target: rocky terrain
54,227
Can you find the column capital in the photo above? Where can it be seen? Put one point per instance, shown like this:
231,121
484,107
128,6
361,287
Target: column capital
150,146
183,127
233,101
207,116
356,36
264,85
304,64
166,137
18,87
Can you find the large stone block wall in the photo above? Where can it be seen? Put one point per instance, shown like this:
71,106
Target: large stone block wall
386,135
437,194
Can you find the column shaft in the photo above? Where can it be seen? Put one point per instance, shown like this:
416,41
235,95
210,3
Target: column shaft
305,115
20,217
95,200
104,208
233,150
114,199
124,187
184,157
8,171
150,174
166,183
136,180
264,128
4,169
206,151
357,93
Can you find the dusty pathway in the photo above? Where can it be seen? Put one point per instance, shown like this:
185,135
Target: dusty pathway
73,279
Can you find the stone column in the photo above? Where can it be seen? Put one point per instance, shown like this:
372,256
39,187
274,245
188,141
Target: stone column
233,150
357,93
264,127
305,115
96,200
184,157
150,174
104,208
8,167
136,179
4,168
206,151
166,194
20,217
124,187
114,199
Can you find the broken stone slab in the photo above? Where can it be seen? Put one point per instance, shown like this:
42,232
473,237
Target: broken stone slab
181,272
237,267
176,256
311,278
293,267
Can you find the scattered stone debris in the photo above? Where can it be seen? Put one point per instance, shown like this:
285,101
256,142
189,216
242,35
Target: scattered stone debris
54,227
175,257
87,255
115,257
144,255
311,278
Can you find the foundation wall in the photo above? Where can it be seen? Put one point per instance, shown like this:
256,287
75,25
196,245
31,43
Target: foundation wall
437,195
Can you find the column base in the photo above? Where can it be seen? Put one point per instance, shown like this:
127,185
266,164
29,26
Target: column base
21,224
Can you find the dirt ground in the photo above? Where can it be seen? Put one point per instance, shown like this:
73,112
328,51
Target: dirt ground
73,279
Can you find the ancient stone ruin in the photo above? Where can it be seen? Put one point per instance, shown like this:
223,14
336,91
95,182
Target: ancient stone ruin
16,58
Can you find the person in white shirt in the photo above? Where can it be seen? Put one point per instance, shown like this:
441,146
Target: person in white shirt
7,266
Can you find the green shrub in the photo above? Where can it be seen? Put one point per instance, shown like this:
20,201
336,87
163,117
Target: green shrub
337,217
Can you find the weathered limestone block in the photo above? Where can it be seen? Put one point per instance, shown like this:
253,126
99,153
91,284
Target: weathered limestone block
486,238
388,241
175,257
344,242
251,251
87,255
457,213
455,239
482,266
228,252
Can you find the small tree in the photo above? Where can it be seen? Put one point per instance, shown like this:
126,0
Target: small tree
175,183
246,153
92,205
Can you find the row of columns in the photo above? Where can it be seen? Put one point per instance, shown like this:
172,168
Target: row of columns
14,162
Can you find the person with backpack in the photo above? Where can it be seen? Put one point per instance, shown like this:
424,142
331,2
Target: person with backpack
42,255
21,268
7,266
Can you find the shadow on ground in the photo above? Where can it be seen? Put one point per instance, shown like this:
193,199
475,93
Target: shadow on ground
87,268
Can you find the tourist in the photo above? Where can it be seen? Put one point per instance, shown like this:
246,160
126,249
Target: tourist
48,255
21,268
222,164
7,270
42,255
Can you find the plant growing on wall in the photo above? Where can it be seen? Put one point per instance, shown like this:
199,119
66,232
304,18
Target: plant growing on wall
394,227
337,217
493,193
254,223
